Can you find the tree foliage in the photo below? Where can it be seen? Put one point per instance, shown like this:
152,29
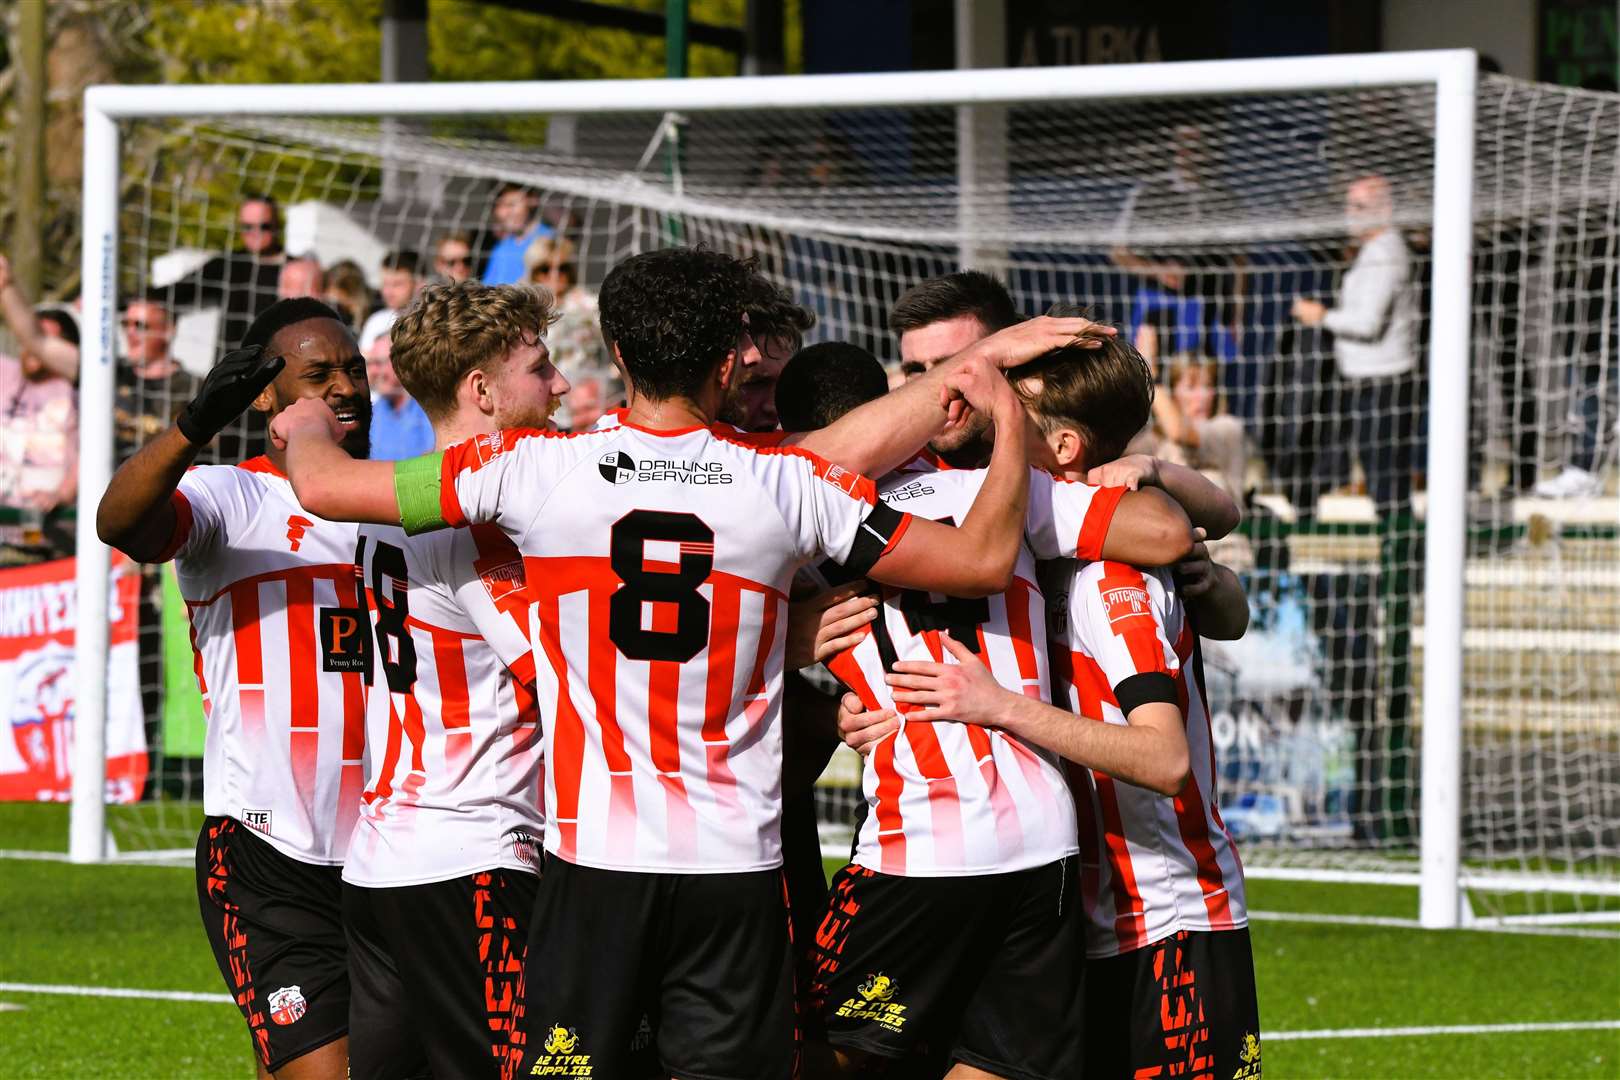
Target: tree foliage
295,41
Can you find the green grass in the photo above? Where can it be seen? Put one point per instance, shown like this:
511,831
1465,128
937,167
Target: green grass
137,926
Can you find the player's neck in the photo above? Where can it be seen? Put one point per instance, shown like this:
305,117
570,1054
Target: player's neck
669,414
460,426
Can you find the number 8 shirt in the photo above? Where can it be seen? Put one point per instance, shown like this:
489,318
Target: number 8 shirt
658,564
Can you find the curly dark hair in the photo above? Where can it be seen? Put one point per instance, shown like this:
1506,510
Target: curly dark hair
674,314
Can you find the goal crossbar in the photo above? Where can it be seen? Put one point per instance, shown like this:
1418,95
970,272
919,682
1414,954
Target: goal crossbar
1451,73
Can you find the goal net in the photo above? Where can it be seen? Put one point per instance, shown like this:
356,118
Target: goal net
1195,223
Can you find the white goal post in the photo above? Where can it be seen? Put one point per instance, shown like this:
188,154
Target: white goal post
1451,75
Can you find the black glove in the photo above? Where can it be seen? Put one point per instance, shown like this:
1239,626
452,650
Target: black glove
229,388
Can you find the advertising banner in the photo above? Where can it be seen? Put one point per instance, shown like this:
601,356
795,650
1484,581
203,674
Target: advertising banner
39,685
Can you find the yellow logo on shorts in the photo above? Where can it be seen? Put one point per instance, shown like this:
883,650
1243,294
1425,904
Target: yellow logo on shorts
875,1002
1250,1056
877,987
557,1056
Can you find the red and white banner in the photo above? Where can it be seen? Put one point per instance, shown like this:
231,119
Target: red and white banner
38,684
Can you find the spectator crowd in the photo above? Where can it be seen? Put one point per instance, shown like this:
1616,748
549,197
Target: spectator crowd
1348,418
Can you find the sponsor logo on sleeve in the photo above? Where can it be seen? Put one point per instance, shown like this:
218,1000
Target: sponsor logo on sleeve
842,479
1126,601
287,1005
502,579
488,446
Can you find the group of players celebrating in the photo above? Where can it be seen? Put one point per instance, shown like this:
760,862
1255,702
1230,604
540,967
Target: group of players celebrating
509,754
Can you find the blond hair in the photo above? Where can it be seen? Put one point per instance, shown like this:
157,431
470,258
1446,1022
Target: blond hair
450,329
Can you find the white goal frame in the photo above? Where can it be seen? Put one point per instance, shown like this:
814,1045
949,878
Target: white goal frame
1452,73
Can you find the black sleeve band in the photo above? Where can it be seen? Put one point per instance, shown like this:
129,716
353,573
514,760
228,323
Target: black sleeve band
873,538
1144,688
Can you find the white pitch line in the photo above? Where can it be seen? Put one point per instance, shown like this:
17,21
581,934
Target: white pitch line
1272,1036
1422,1032
115,992
1413,924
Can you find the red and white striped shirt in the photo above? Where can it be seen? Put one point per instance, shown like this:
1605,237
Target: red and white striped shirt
453,731
1151,865
945,798
659,564
278,626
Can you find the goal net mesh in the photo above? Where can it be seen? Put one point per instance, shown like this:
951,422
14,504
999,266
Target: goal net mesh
1194,224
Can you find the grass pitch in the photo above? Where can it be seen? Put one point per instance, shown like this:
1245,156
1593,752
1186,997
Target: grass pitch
136,927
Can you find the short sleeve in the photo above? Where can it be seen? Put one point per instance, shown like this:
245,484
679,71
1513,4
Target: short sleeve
201,510
836,513
488,581
1068,520
1120,622
468,483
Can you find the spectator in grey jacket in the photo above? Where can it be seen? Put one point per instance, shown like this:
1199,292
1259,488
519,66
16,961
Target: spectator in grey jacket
1374,328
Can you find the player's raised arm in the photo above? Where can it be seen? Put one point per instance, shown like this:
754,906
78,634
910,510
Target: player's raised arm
1207,504
977,558
886,433
136,514
328,482
1148,750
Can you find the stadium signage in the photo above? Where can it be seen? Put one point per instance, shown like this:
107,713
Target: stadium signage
38,626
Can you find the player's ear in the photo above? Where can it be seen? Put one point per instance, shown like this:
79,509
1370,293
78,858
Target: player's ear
1068,446
265,402
474,390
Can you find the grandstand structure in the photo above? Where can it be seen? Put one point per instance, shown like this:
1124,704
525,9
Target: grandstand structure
1430,695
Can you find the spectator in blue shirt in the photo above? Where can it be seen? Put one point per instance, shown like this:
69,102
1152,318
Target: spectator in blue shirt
517,223
399,427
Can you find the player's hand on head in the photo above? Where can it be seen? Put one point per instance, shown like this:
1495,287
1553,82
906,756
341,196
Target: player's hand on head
965,691
229,388
306,416
1134,472
1195,574
1023,342
982,386
862,730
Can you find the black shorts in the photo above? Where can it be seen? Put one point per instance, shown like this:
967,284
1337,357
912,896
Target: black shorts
701,959
985,970
1184,1006
276,925
436,971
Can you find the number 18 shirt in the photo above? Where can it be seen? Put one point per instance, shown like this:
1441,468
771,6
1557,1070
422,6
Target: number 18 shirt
658,564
